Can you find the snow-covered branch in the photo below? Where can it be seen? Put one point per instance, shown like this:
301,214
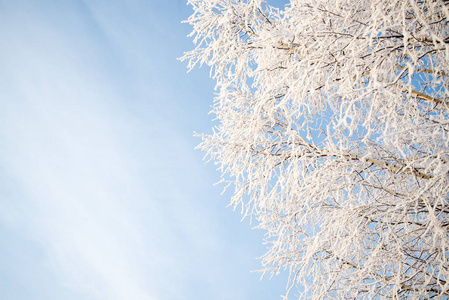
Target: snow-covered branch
333,126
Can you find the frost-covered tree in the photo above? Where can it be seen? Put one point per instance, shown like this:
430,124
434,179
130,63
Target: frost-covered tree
334,130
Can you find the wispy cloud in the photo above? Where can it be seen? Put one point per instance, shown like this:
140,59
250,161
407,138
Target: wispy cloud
62,143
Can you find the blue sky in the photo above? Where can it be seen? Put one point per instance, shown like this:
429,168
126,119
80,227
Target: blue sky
102,195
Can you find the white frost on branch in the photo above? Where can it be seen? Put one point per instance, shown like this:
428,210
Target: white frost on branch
334,129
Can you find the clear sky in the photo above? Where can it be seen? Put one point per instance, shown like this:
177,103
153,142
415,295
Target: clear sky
102,195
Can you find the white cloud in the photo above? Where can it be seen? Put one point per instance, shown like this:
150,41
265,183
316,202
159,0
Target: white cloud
62,144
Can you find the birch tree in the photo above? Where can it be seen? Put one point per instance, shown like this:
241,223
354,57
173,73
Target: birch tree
333,121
